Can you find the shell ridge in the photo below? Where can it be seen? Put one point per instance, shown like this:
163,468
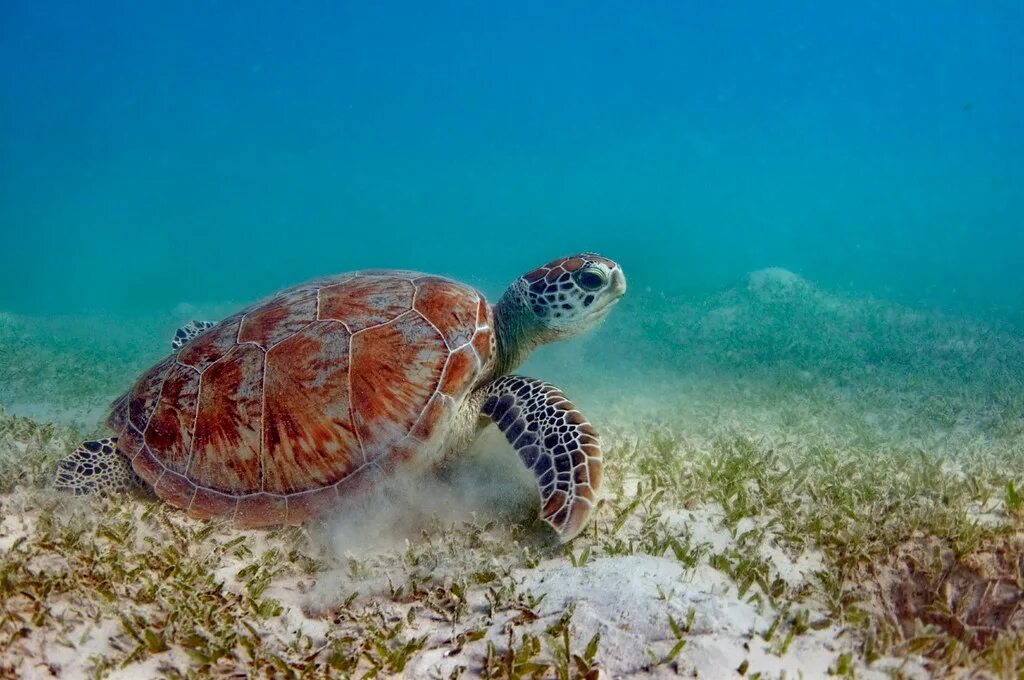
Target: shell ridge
423,412
434,387
222,357
192,498
156,402
415,293
195,423
263,426
267,349
479,306
351,396
431,324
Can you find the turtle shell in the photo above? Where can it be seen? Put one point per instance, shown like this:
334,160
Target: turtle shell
279,411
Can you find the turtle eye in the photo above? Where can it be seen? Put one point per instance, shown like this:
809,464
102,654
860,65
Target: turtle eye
591,279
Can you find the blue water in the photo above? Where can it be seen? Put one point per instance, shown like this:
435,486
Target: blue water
159,153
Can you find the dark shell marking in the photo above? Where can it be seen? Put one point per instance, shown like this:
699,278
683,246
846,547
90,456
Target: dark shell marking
275,414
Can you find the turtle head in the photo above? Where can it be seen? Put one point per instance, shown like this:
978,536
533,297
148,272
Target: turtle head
564,298
571,295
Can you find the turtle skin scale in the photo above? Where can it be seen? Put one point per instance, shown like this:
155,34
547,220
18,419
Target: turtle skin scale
280,411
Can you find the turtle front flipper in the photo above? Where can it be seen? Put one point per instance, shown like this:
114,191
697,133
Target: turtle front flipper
96,467
554,441
189,331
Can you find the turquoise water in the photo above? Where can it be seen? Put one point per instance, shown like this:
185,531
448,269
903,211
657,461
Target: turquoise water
155,154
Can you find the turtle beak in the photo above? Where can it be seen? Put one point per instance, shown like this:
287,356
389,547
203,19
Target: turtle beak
616,289
618,286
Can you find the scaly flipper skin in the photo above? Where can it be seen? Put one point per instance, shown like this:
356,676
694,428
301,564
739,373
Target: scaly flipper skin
189,331
96,467
555,442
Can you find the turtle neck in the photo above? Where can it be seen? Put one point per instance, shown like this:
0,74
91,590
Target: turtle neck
518,331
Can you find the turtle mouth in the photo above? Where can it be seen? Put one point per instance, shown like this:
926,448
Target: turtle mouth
601,313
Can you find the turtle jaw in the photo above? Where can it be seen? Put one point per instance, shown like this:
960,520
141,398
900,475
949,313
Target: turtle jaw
600,315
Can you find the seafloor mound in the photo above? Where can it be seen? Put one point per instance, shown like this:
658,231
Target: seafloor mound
776,283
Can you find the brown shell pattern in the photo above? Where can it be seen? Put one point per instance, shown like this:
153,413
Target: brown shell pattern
276,413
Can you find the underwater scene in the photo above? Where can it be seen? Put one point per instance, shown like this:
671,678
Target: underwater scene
512,340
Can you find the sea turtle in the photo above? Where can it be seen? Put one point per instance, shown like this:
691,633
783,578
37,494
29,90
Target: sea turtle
293,405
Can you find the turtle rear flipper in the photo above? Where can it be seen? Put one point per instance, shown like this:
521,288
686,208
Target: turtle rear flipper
555,442
96,467
190,330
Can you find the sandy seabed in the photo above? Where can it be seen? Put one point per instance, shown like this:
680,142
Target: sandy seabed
797,484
